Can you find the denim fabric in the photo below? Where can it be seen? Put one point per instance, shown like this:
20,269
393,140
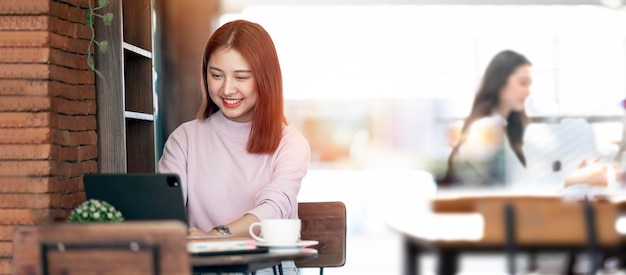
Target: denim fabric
289,268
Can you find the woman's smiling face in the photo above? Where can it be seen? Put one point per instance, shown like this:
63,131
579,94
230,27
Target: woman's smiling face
232,85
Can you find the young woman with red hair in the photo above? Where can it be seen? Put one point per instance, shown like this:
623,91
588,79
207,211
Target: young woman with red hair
240,162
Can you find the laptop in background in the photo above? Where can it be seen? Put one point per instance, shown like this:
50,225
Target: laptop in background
554,150
139,196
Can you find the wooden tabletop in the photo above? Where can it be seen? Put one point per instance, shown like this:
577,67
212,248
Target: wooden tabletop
254,258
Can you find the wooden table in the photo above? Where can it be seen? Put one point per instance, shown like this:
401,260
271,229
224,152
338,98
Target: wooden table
248,262
507,224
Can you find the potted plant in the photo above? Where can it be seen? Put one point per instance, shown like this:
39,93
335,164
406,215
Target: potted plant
95,211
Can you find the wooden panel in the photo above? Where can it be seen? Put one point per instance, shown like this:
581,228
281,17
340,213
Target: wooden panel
140,146
326,223
110,91
548,222
467,204
137,23
170,236
138,83
87,262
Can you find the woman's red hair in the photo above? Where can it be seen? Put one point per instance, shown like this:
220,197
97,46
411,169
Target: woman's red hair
257,48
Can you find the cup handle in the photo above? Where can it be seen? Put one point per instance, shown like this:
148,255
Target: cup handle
251,231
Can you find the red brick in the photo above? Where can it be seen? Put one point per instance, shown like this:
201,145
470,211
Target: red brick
59,215
26,135
73,107
24,23
74,138
25,6
70,170
73,14
24,103
28,185
79,3
6,249
68,44
5,266
25,71
76,123
68,201
79,153
24,55
25,152
25,168
24,39
65,153
72,76
46,88
45,71
70,29
77,92
43,39
83,138
24,216
6,232
30,201
74,184
24,87
67,185
24,120
70,60
39,185
88,152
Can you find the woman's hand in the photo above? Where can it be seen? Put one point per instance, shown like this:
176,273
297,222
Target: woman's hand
591,173
197,232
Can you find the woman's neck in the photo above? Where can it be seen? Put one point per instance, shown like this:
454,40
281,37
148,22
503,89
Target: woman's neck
503,111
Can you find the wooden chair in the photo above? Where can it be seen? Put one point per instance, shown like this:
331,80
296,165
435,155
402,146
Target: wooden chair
102,248
535,224
326,223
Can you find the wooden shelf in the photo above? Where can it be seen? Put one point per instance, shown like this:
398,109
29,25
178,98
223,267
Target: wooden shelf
138,86
126,119
137,50
137,23
140,149
139,116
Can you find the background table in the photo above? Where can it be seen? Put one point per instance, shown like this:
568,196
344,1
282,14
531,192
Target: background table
477,224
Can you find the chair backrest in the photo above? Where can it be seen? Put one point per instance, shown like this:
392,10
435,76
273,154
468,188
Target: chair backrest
326,223
102,248
555,222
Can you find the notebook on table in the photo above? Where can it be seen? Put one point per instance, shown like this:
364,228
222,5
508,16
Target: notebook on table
158,197
210,246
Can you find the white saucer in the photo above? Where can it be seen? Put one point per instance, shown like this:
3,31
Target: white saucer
298,244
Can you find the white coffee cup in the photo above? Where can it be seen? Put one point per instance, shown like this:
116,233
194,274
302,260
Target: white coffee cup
277,231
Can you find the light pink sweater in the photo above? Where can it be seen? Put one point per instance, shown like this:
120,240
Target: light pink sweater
221,181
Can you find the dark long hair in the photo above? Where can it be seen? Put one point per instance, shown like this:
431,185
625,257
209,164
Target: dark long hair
256,46
487,98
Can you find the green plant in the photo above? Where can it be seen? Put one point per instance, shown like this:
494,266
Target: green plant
95,211
103,46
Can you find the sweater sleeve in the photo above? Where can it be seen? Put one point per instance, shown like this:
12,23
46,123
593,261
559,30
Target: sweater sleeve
174,158
278,199
480,157
482,140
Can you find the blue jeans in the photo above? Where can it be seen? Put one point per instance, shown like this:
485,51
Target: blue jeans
289,268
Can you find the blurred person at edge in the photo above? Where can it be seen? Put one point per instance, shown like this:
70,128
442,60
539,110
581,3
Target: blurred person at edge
490,145
240,162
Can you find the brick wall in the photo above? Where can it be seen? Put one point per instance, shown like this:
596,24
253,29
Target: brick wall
47,114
